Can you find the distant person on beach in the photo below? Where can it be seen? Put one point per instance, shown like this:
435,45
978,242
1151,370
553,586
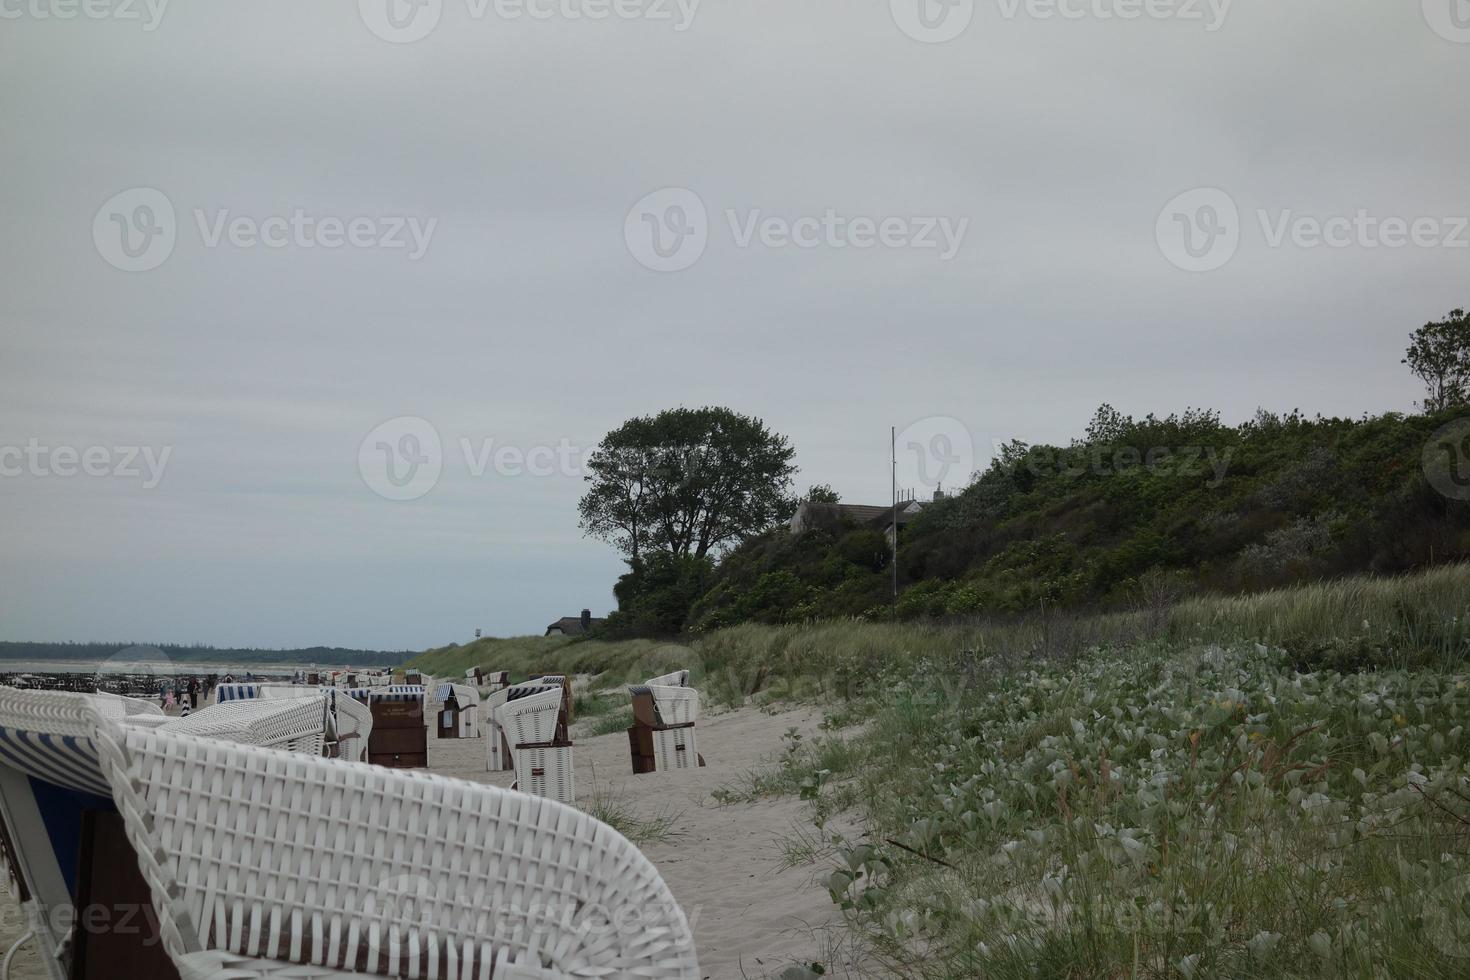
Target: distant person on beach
194,692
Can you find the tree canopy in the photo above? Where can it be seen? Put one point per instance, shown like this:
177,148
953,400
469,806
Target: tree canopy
1439,355
686,483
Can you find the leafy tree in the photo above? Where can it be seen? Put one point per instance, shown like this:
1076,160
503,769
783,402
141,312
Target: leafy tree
1439,355
654,597
616,508
822,493
686,482
1108,425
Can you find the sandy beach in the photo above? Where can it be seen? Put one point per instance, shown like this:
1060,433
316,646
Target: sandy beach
751,918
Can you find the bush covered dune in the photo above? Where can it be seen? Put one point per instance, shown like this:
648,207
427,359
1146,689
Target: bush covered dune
1179,505
1273,784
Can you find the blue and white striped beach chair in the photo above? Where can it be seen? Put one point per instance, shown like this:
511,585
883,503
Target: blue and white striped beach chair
53,787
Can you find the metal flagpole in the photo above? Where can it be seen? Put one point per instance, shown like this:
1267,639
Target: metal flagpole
893,451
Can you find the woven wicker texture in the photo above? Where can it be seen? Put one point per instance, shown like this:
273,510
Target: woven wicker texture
352,721
354,727
344,870
521,722
675,748
298,725
676,705
531,718
497,749
127,707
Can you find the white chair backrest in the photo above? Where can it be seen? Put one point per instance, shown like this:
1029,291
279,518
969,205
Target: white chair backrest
125,706
291,723
353,719
676,705
531,719
364,869
679,678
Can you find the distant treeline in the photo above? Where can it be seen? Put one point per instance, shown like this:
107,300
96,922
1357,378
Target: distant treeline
195,653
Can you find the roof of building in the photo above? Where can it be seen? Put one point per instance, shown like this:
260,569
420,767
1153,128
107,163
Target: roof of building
572,625
878,515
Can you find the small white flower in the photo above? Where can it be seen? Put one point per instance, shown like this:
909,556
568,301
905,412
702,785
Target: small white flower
1262,943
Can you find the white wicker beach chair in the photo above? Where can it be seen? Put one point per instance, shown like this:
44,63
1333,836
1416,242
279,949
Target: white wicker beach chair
350,722
663,733
497,746
263,864
354,726
295,724
467,703
127,707
542,754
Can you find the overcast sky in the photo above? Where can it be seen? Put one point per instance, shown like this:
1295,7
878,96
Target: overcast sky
993,234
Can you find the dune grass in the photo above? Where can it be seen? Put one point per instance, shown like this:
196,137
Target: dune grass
1400,622
615,811
1266,785
1160,812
